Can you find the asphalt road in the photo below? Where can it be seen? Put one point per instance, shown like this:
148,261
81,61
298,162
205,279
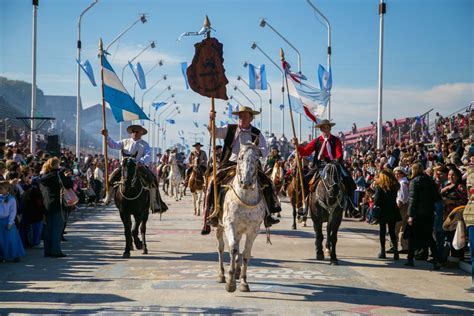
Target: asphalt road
178,276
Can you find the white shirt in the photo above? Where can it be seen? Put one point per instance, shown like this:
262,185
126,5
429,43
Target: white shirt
98,174
8,209
131,147
242,136
402,194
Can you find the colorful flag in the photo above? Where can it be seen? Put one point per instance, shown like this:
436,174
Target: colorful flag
158,105
257,77
311,100
196,107
170,121
121,103
325,78
86,66
184,66
139,74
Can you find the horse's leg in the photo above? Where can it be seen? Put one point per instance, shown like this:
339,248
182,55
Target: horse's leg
336,222
199,202
233,252
220,248
249,240
136,225
295,215
318,231
194,194
127,225
327,248
143,232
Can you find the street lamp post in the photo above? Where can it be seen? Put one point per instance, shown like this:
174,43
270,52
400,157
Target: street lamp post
78,101
153,134
245,96
264,23
159,126
151,45
236,100
171,115
159,63
382,11
33,80
259,97
329,47
255,46
141,18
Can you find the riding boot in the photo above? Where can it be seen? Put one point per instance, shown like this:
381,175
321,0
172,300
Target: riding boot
206,228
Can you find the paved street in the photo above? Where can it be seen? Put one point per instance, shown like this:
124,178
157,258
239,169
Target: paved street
178,276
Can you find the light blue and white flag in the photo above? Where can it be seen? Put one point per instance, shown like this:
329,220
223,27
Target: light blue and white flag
139,74
86,66
325,78
307,99
257,77
223,123
184,66
230,110
158,105
196,107
121,103
170,121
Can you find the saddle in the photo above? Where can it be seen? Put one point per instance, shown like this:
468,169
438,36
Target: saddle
313,183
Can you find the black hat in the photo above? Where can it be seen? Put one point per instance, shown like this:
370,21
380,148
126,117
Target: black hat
218,147
275,147
198,143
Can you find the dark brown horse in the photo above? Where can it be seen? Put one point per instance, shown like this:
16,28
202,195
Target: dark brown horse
132,198
326,204
296,200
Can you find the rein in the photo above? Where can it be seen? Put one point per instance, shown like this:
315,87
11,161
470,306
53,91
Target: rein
330,173
121,185
243,202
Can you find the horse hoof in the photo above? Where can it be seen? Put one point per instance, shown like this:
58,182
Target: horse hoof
244,288
334,262
230,287
320,256
221,279
139,245
145,251
126,255
293,226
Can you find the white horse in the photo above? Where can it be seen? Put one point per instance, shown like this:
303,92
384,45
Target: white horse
243,212
175,178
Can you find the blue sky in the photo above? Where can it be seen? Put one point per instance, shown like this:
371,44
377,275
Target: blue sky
428,56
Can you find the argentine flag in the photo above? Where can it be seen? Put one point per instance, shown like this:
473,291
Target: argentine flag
121,103
308,98
257,77
325,78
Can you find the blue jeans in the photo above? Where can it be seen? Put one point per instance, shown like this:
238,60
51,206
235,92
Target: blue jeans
52,233
470,231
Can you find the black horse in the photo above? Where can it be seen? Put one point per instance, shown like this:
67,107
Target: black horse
132,198
327,205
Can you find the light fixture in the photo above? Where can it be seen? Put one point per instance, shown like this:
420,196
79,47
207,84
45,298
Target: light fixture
262,22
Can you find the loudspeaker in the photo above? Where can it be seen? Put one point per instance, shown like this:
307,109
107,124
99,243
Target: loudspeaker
52,145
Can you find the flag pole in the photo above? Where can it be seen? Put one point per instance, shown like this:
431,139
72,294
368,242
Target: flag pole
213,135
104,125
298,160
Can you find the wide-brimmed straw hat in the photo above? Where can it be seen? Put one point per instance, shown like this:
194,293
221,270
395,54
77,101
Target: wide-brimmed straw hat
324,122
243,109
134,127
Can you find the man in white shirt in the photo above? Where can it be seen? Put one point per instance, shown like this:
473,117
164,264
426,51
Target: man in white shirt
132,146
402,202
234,135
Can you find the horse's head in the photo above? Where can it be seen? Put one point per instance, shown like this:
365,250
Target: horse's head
332,179
129,168
247,165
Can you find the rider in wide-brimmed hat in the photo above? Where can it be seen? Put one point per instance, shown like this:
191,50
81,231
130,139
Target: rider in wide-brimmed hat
234,135
135,145
201,161
326,148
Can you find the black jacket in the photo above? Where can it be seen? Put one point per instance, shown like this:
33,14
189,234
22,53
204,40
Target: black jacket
387,201
50,189
422,196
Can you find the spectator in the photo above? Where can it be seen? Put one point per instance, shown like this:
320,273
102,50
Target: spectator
402,203
10,242
386,187
421,210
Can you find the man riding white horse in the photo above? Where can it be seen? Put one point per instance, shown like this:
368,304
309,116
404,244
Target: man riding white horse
234,135
201,161
132,146
326,148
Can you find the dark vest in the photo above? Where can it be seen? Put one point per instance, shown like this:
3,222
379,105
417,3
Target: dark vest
229,139
317,148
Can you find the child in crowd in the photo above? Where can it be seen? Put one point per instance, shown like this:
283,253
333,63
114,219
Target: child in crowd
11,246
